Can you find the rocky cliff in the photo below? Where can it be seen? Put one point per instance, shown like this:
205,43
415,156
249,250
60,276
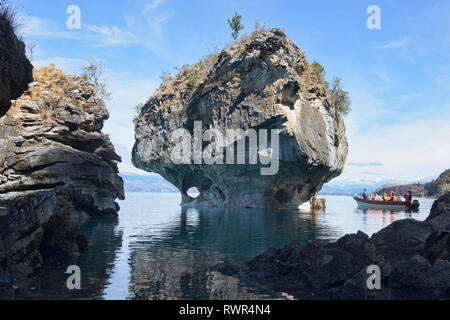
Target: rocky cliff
54,159
261,82
16,72
413,257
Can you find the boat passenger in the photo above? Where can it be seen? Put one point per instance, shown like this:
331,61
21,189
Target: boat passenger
409,196
378,198
385,197
392,196
364,194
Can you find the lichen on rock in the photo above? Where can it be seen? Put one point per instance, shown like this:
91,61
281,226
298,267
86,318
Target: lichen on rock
261,82
54,160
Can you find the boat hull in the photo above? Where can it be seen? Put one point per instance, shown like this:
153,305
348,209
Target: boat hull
393,205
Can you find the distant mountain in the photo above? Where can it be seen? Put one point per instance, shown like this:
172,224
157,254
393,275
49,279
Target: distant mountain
148,183
432,189
352,186
331,191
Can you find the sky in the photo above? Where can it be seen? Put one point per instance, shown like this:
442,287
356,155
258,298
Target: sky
398,76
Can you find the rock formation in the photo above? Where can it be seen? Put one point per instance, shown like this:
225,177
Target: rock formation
413,256
54,159
16,72
260,82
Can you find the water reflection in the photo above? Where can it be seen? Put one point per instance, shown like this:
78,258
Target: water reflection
96,265
156,250
172,263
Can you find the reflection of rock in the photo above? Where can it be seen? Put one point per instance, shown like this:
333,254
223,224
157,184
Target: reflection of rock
54,159
172,263
413,257
15,69
162,274
96,265
264,82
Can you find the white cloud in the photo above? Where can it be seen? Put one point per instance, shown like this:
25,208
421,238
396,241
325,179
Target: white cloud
411,150
153,5
394,44
158,21
34,26
112,36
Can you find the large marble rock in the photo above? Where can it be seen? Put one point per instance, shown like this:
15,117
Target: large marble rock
262,82
16,72
54,160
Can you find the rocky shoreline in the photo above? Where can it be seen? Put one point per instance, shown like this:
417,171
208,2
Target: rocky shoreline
54,160
413,256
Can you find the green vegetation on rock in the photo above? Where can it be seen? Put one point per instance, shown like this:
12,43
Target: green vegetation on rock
339,97
235,25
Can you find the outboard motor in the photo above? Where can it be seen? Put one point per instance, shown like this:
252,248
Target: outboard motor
415,204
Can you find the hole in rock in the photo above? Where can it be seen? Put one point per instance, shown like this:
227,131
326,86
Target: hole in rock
282,196
193,193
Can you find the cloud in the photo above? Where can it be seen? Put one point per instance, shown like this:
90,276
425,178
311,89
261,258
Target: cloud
394,44
158,21
365,164
410,150
112,36
153,5
34,26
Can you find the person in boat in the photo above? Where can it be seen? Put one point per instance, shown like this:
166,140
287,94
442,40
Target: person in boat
364,195
378,198
408,197
392,196
385,196
371,197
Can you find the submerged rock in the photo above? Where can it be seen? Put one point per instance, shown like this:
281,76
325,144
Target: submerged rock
16,72
413,257
54,160
263,82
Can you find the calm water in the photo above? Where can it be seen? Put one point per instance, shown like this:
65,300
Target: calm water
156,250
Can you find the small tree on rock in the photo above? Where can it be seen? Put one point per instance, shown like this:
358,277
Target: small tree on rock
94,72
341,98
235,25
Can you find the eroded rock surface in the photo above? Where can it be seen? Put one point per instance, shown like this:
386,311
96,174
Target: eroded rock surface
54,160
413,256
16,72
263,82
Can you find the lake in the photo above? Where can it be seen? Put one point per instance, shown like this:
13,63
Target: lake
157,250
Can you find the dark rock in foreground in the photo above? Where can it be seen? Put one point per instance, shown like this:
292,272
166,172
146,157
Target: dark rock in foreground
54,160
16,72
413,256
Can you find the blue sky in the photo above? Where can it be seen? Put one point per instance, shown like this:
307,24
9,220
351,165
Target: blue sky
398,76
